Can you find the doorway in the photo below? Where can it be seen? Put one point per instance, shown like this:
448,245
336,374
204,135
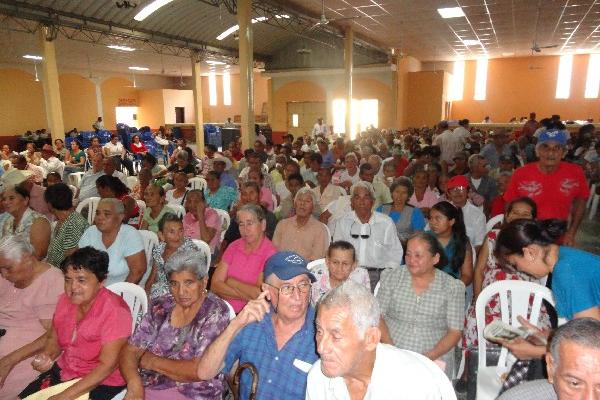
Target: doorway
302,116
127,116
179,115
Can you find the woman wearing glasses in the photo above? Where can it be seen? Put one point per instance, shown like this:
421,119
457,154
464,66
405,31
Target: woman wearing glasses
238,276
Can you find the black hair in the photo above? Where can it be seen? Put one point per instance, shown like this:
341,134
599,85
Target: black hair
342,245
525,200
168,217
54,174
211,147
434,246
214,174
161,190
88,258
364,168
296,177
21,191
459,233
317,157
151,159
113,183
59,196
524,232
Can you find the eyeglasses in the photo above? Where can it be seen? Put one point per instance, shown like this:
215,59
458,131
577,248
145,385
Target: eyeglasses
359,234
288,290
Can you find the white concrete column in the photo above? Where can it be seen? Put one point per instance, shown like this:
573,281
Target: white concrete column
99,105
54,114
197,93
348,65
246,62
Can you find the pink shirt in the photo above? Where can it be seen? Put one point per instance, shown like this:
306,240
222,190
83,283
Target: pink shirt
246,267
191,228
266,198
107,320
430,198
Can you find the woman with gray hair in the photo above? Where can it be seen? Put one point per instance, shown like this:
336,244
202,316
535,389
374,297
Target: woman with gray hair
303,233
157,363
29,291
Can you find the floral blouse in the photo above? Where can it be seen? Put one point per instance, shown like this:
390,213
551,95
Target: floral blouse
161,285
322,285
156,335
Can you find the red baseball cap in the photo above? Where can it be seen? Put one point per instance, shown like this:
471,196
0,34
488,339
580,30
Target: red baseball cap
457,181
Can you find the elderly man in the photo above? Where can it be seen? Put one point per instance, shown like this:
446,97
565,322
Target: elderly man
479,180
20,162
372,234
255,164
87,187
457,191
449,143
278,338
115,149
222,165
496,148
558,188
355,365
181,164
382,192
110,166
350,175
303,233
573,366
325,191
49,162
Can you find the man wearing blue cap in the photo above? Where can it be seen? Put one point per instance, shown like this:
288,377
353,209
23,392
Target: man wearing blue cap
559,188
275,332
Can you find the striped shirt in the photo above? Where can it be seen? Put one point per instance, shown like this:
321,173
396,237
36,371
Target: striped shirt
65,237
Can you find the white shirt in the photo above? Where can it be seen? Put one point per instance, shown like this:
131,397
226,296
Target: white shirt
122,177
52,164
450,144
320,129
475,224
382,249
345,176
114,149
397,375
330,194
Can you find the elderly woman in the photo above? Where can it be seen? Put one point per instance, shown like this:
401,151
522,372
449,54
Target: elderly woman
123,243
179,192
29,291
112,187
69,227
340,265
238,275
200,221
217,195
303,233
24,221
158,361
156,207
422,306
172,238
90,326
407,218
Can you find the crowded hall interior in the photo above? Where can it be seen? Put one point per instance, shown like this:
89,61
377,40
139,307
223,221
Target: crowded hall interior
300,199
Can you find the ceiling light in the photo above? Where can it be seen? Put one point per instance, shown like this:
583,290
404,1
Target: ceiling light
451,12
581,51
259,19
213,62
150,8
570,22
471,42
235,28
285,16
122,48
31,57
139,68
508,54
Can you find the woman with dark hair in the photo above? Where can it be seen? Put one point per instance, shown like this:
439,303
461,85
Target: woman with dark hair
112,187
74,160
94,148
156,207
447,225
422,306
90,326
137,147
59,149
69,227
423,197
217,195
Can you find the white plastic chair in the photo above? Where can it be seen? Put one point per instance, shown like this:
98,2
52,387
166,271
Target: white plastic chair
231,310
329,237
74,190
91,203
75,178
489,377
142,205
177,209
197,183
591,198
204,247
225,221
132,181
493,221
150,241
275,203
314,264
593,201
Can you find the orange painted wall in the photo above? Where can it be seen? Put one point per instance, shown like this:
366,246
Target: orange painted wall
114,89
426,96
21,103
517,86
404,65
78,98
151,111
293,91
364,88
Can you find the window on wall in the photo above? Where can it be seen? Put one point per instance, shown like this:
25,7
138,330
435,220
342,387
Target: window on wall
592,82
226,89
563,81
364,113
212,89
458,81
481,79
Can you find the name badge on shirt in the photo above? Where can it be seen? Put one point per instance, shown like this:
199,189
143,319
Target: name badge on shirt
302,365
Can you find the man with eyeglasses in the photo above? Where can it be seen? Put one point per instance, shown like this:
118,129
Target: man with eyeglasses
558,188
275,333
372,234
457,191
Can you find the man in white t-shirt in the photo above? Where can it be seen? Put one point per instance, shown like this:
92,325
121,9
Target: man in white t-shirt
320,128
355,365
115,149
450,142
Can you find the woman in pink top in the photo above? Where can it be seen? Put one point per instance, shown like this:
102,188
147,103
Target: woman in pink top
266,196
201,221
423,197
238,276
90,326
29,290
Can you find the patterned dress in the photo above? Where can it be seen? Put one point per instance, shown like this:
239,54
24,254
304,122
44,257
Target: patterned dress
161,286
24,227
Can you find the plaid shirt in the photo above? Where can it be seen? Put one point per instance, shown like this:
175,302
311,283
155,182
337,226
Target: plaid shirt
282,373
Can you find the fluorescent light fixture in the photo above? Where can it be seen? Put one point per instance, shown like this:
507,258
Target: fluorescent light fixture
259,19
212,89
139,69
150,8
581,51
563,81
118,47
226,89
481,79
32,57
592,82
236,28
508,54
471,42
213,62
451,12
279,16
458,81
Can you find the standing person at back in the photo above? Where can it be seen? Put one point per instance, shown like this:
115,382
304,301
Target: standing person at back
559,188
451,142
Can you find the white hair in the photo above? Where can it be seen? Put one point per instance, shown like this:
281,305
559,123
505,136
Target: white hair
357,299
116,203
365,185
351,155
308,191
194,261
13,247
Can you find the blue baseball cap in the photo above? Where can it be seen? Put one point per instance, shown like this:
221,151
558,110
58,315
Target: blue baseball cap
555,135
287,265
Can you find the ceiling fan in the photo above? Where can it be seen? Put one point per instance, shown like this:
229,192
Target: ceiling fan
538,49
323,20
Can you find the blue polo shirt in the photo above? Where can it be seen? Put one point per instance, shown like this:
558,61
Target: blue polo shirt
282,373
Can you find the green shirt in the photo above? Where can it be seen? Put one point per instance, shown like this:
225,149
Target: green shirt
153,222
66,237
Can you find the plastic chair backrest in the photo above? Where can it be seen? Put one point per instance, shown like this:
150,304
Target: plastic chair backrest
91,203
142,205
493,221
177,209
275,203
205,248
75,178
225,221
134,296
197,183
150,241
231,310
329,237
313,264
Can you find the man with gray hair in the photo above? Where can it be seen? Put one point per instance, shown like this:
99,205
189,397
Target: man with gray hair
355,365
573,364
372,234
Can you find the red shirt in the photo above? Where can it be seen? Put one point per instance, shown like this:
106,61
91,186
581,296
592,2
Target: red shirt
401,166
553,193
137,148
497,207
107,320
